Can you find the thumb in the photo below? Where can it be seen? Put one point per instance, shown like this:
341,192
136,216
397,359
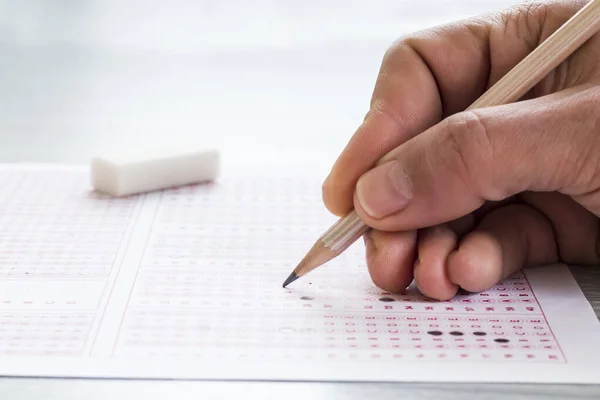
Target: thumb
450,170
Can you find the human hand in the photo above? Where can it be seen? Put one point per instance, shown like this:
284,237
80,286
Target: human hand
463,199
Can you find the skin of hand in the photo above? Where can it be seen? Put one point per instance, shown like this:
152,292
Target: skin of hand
463,199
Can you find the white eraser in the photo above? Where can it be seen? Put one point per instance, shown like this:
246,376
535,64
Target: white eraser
127,174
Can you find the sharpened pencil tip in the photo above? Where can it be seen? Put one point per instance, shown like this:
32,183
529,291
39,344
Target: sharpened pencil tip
317,256
290,279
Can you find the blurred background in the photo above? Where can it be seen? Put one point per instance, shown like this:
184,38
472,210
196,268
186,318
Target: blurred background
259,79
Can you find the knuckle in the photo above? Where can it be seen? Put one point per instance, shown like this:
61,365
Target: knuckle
534,20
395,52
581,162
532,15
467,149
526,21
397,46
409,45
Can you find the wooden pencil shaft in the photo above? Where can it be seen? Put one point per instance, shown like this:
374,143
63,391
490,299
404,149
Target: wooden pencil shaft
345,232
514,85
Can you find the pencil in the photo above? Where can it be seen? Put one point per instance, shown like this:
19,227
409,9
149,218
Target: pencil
522,78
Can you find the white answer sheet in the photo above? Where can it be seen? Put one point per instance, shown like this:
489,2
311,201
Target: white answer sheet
186,283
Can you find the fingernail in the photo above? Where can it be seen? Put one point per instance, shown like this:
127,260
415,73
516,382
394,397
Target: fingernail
384,190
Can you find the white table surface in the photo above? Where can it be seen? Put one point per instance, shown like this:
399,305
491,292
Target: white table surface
266,79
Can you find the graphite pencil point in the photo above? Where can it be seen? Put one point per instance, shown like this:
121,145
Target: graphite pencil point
290,279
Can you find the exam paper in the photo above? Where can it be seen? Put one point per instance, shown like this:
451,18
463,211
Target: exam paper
186,283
